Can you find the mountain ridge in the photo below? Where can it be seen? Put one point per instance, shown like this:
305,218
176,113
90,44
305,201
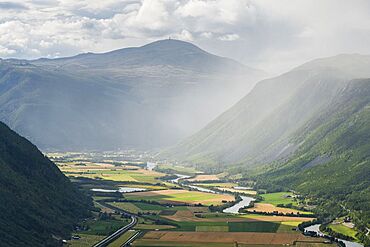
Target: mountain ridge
173,53
148,98
223,136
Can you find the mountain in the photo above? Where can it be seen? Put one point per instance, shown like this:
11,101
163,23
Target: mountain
334,149
333,160
141,97
261,128
38,203
307,130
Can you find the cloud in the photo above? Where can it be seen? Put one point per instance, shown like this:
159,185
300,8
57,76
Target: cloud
273,35
229,37
12,6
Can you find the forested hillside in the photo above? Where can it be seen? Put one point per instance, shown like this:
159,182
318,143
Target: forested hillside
333,162
39,205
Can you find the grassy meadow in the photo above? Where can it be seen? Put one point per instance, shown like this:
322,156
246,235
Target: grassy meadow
279,198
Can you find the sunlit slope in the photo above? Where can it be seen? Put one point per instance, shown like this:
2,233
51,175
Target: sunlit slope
142,97
262,127
335,149
333,161
38,203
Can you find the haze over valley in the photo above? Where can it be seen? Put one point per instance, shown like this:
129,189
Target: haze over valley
144,97
185,123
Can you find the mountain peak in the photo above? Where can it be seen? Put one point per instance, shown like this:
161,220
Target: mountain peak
172,44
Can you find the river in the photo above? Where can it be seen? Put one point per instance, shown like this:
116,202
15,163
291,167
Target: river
201,189
246,200
179,176
316,228
121,190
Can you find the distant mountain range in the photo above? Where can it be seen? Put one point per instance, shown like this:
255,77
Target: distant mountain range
142,97
307,130
264,126
39,205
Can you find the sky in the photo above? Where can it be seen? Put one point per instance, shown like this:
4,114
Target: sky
273,35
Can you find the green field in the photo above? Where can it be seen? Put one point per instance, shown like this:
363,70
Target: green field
339,228
288,226
153,227
193,226
126,206
149,207
177,169
86,240
212,228
278,198
123,238
258,226
136,207
104,227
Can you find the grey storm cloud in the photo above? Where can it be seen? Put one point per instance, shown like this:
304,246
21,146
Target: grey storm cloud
274,35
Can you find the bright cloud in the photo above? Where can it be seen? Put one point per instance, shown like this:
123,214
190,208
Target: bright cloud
270,34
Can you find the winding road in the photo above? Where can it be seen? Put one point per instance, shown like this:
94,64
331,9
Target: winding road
119,232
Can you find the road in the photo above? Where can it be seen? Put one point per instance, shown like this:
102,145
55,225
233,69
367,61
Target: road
130,240
119,232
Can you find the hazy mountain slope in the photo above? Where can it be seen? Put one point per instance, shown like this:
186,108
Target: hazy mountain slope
142,97
341,133
37,200
259,128
333,161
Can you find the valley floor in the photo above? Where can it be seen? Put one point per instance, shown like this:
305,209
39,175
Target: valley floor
173,211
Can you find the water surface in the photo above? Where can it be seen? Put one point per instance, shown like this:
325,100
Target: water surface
246,201
121,190
179,176
315,228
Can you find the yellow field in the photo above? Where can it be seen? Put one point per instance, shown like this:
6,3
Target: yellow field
222,185
126,173
181,196
269,208
204,177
